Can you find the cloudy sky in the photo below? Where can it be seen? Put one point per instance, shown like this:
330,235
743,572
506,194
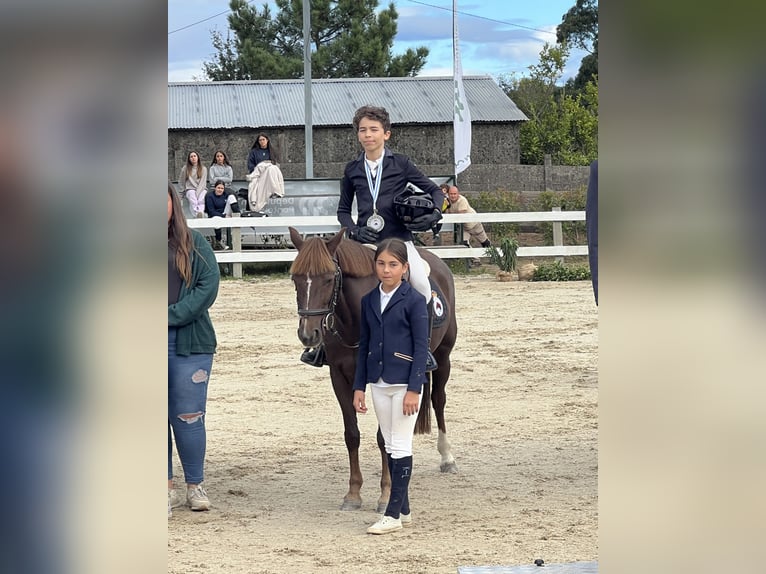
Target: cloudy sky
496,36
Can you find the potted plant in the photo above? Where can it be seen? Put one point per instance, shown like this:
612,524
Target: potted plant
504,258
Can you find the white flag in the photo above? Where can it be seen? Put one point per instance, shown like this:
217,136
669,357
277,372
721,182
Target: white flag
462,115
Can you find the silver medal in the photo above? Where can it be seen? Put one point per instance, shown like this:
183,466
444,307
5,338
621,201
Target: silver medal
375,222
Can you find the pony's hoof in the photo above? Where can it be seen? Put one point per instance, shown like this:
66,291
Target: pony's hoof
351,505
450,467
381,507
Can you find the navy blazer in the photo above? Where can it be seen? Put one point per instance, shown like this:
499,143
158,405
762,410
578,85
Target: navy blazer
398,171
393,345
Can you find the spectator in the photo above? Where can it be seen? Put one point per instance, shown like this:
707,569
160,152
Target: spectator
436,229
193,180
193,278
459,204
264,175
220,204
261,151
221,170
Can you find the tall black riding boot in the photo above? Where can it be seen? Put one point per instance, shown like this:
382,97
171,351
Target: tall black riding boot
430,359
401,470
314,357
406,502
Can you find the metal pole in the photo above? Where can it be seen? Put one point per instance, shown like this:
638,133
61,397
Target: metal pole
307,88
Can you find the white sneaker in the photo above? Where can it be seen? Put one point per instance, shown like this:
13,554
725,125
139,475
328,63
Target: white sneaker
197,499
170,511
385,525
406,519
173,498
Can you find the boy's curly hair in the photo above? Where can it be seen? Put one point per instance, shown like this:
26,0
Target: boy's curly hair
372,113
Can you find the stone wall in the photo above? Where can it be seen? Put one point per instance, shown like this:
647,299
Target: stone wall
494,154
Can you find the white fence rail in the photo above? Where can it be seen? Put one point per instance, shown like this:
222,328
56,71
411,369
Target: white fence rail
325,224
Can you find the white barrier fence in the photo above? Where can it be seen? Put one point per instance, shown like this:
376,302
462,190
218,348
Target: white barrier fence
324,224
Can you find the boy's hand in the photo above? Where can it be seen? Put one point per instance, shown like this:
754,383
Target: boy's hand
365,235
424,222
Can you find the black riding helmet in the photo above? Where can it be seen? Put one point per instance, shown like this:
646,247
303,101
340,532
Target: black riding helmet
413,203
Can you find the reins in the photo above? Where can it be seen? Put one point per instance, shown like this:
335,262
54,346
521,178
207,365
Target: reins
328,322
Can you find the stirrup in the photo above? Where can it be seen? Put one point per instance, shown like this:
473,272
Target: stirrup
431,364
314,357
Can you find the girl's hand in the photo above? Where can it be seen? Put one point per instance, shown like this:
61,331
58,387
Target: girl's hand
410,403
359,404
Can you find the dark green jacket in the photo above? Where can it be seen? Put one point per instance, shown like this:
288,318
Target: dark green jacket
190,313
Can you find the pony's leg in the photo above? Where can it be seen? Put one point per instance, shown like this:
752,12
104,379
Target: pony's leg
439,401
385,476
345,395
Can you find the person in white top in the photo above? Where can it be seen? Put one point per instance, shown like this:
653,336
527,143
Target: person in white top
193,180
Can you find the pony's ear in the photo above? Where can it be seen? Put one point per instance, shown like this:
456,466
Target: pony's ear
333,243
296,238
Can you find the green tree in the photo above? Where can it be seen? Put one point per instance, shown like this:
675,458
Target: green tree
561,124
579,28
348,39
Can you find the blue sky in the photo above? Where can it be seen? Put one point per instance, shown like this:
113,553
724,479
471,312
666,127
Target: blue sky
496,36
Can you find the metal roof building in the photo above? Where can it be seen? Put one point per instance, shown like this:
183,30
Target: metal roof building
280,103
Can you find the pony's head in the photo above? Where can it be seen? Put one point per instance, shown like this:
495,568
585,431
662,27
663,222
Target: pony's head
317,274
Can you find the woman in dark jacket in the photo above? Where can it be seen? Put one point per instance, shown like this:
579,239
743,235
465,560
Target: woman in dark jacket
193,278
261,151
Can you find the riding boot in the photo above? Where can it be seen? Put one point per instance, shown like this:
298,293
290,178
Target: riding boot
406,502
401,469
430,359
314,357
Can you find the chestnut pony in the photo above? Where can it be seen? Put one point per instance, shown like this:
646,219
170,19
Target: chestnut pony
330,278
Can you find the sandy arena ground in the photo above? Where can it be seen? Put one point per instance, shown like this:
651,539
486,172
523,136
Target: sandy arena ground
522,419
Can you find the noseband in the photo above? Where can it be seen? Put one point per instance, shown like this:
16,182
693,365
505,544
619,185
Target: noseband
328,323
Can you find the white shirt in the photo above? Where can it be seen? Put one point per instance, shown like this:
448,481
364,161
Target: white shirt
373,164
386,297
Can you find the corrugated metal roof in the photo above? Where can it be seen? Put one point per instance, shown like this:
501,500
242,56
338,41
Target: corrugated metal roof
277,103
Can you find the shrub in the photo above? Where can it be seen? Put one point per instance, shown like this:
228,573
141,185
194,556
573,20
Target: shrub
557,271
573,231
498,201
507,260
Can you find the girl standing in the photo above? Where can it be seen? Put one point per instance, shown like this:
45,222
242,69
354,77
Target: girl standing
392,358
193,180
193,278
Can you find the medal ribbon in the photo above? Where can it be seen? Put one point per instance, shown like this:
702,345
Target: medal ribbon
374,189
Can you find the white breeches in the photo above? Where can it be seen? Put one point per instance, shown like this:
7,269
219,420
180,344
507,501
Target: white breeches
396,427
418,274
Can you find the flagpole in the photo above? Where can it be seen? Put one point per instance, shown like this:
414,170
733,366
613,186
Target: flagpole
461,113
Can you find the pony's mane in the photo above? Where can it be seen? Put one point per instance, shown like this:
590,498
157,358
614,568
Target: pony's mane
314,258
355,259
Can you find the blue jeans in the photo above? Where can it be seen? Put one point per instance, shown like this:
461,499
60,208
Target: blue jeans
187,398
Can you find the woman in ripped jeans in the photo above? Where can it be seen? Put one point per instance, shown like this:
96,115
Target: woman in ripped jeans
193,278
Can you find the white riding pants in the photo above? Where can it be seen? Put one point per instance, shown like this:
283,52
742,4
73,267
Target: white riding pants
396,427
418,275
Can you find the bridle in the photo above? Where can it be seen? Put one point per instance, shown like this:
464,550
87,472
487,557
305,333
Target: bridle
328,322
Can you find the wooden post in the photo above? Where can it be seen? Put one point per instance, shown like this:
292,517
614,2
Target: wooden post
236,240
558,235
